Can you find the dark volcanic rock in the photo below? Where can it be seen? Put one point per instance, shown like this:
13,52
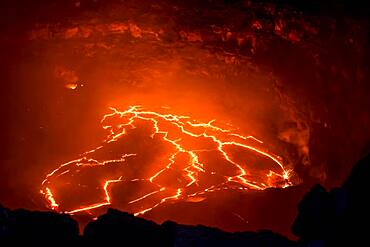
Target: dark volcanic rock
116,226
356,217
314,217
206,236
337,217
35,227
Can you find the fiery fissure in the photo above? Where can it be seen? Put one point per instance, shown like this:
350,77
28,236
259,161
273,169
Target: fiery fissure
220,137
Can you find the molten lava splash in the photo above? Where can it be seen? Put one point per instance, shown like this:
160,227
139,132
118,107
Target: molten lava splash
167,158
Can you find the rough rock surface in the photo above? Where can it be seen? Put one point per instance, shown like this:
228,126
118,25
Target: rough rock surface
338,216
23,226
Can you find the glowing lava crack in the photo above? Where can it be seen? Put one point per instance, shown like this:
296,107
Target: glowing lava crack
155,158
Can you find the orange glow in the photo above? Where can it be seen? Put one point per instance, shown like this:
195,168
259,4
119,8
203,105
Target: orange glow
72,86
50,198
186,164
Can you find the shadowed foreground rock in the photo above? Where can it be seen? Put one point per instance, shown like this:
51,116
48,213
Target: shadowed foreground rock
20,226
339,217
116,226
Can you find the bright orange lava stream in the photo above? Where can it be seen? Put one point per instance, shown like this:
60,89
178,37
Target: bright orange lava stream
175,131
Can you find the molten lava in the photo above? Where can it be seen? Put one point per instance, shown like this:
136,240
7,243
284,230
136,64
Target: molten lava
151,158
